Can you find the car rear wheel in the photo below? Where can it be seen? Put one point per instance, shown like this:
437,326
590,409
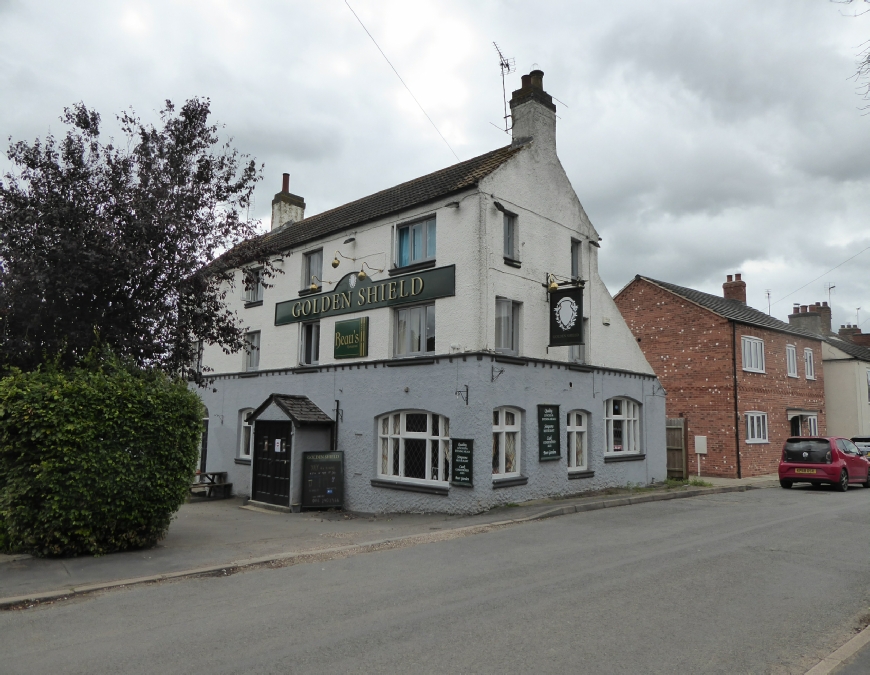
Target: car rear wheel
843,484
786,484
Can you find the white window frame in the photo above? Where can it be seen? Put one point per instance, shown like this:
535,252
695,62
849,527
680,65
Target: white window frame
304,328
252,352
312,272
423,232
813,425
511,233
507,339
424,317
627,420
578,435
500,431
576,259
246,434
868,386
809,364
252,284
791,360
756,427
753,354
392,436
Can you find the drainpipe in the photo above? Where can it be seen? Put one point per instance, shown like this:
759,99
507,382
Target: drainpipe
736,407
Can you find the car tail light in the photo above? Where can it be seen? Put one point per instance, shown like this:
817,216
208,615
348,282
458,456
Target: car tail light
828,457
783,455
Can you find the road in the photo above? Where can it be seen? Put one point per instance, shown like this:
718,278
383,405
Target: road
765,581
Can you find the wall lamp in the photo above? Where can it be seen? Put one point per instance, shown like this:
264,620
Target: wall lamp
362,272
554,282
314,282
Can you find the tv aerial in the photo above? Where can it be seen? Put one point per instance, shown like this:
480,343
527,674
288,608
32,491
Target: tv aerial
507,67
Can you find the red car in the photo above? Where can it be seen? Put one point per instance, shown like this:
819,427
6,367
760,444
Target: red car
820,460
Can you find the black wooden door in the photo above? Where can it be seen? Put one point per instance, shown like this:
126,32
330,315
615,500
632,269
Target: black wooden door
203,448
272,462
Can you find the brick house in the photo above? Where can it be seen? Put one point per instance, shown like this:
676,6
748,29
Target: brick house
742,380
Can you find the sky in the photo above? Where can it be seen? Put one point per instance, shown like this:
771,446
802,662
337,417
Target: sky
703,139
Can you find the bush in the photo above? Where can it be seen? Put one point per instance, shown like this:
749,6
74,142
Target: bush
93,460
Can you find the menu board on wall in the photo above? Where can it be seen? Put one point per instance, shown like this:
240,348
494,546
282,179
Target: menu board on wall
322,479
462,466
549,447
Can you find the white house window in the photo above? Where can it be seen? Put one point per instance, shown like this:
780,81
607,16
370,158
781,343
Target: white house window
309,347
756,427
622,426
252,350
809,365
246,437
415,446
868,386
813,425
312,269
415,330
576,249
753,354
507,326
791,360
415,242
505,442
511,237
253,285
576,440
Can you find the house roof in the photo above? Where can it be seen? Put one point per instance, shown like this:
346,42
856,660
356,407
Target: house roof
734,310
300,409
853,350
421,190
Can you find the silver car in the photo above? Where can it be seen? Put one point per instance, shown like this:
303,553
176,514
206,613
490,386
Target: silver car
863,443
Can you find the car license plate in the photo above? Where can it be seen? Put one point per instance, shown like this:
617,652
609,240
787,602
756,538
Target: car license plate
804,470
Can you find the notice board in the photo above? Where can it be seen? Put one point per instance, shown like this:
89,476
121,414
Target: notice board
549,447
323,479
462,465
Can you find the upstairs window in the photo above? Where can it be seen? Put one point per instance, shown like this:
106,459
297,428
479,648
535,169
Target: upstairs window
576,266
414,445
312,269
507,326
252,350
253,285
756,427
415,243
511,237
809,365
753,354
791,360
415,330
309,348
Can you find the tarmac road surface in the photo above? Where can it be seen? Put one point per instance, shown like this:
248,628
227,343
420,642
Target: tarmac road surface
764,581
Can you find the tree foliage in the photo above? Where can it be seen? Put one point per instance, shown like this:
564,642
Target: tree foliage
93,460
104,244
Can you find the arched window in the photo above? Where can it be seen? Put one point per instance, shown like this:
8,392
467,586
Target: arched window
505,442
414,445
246,434
577,438
622,418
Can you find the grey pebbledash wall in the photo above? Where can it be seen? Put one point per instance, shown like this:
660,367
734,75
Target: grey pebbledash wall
367,390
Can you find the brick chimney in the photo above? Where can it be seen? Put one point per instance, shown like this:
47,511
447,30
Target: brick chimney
287,207
533,112
854,335
734,289
811,318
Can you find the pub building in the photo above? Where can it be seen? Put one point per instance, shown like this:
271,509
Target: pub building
445,345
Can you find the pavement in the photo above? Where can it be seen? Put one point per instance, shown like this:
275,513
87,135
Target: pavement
221,536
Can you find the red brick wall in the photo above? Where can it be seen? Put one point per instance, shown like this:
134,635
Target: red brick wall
690,349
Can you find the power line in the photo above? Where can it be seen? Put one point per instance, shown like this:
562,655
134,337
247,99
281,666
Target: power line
400,79
821,275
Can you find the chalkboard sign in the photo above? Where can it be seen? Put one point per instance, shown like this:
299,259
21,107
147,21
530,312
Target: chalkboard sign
322,479
462,466
549,447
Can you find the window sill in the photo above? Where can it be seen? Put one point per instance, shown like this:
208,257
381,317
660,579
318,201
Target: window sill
509,482
794,377
574,475
580,367
425,265
410,487
253,303
511,262
249,373
760,372
507,358
748,442
637,457
811,379
411,361
308,291
307,368
242,460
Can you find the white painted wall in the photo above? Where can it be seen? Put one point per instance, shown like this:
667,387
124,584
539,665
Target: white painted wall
846,401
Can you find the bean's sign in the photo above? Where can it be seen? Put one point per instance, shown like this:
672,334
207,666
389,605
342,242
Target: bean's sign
352,294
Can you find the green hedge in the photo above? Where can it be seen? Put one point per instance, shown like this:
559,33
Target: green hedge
93,461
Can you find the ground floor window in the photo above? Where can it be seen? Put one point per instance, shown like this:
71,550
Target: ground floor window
576,440
756,427
246,436
505,442
414,445
622,422
813,425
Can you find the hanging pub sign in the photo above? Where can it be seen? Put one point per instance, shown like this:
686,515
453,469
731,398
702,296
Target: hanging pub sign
462,464
549,447
566,316
322,479
351,338
352,294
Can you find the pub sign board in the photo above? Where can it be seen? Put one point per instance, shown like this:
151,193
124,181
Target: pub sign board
353,294
462,463
323,479
549,446
566,317
351,338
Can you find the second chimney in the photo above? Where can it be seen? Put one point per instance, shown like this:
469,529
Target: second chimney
287,207
734,289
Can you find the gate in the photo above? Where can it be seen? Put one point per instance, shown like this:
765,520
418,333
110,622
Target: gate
272,462
676,444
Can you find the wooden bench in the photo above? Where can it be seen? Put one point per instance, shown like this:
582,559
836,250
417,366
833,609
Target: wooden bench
213,484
